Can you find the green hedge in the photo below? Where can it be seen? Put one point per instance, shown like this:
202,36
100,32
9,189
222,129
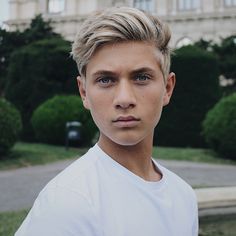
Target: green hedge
37,72
196,91
219,127
50,118
10,126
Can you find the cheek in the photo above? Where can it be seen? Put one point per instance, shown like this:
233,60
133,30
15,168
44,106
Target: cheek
154,105
98,109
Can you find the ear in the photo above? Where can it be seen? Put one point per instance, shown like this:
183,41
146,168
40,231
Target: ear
82,90
170,84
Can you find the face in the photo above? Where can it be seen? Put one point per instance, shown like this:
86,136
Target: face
125,91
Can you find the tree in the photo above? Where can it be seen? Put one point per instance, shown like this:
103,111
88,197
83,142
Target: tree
219,127
39,29
12,41
9,41
10,126
196,91
226,53
37,72
50,118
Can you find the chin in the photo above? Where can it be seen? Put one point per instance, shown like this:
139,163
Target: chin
126,138
127,141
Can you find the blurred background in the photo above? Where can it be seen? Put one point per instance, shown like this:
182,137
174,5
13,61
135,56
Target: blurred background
36,37
41,113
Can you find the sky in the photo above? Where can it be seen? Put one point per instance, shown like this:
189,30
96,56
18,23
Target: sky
3,10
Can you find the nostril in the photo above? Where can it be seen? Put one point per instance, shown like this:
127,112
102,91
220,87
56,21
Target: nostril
124,95
125,105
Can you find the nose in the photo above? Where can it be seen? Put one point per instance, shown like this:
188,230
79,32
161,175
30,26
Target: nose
124,96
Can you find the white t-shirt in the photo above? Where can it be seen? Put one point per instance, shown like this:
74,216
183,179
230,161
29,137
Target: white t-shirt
96,196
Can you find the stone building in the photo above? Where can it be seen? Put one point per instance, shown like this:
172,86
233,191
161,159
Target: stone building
189,20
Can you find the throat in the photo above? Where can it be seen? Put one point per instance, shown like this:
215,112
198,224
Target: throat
149,172
136,159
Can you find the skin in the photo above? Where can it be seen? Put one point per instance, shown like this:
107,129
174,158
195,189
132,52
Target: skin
125,91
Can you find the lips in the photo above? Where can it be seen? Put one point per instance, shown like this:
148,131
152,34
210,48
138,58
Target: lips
126,121
126,118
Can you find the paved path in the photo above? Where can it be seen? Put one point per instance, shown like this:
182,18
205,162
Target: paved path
19,188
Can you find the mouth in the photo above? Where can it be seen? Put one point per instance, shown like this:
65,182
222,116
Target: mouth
126,121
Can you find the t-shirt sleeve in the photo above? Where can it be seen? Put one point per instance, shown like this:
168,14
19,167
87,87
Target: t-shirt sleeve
60,212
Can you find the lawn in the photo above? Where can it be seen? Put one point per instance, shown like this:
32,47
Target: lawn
189,154
28,154
10,222
221,225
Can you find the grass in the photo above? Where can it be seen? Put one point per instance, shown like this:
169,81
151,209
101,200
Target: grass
28,154
220,225
189,154
10,222
223,225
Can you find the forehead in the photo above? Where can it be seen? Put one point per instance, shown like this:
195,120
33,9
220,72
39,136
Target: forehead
125,56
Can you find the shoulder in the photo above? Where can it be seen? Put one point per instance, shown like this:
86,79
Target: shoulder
58,212
181,192
177,185
76,177
64,206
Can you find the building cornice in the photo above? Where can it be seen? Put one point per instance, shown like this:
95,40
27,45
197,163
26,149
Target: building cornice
199,16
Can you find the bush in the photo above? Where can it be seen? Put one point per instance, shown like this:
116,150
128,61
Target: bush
196,91
219,127
36,73
10,41
50,118
10,126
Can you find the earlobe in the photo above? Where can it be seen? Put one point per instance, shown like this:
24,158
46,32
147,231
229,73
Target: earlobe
82,91
170,84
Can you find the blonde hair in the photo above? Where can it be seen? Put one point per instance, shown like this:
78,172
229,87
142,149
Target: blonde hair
120,24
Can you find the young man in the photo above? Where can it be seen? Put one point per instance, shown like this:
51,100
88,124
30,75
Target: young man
116,188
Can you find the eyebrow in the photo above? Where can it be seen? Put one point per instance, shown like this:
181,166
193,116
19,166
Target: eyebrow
142,70
103,72
112,73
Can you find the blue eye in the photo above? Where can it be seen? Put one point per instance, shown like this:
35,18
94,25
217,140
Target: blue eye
105,81
142,78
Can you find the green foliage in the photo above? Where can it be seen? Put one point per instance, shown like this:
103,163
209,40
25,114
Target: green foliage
226,53
39,29
36,73
10,126
11,41
11,221
29,154
219,127
50,118
204,44
196,91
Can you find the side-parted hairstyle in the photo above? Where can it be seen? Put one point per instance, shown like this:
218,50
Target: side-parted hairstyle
120,24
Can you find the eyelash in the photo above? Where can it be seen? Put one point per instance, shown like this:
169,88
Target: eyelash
142,76
108,81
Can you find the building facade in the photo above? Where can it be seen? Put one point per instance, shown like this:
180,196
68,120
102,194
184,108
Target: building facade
189,20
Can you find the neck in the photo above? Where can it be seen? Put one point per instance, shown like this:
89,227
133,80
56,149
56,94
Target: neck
136,158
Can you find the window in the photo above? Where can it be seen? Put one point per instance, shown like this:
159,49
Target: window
56,6
146,5
183,42
229,3
186,5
